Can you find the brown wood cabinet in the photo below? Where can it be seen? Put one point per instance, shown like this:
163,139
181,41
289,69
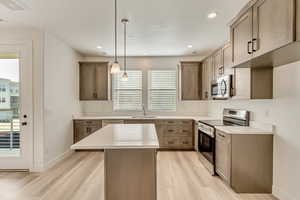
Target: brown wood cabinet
262,27
272,25
223,156
84,128
218,64
172,134
241,37
245,162
93,81
206,78
253,83
227,51
191,81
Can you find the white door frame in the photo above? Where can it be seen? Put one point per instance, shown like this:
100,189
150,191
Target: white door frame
24,50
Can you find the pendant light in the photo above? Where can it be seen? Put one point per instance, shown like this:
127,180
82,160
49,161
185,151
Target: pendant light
115,68
125,75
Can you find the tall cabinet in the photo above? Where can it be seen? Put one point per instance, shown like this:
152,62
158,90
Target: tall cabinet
94,83
191,81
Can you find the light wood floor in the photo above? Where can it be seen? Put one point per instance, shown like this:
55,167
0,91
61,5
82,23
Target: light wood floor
80,177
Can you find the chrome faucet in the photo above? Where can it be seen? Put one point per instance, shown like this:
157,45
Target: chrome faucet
144,110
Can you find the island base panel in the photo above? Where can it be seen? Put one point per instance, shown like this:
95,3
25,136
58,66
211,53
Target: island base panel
130,174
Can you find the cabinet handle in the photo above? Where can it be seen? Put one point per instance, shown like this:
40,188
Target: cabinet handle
248,47
254,44
170,131
223,136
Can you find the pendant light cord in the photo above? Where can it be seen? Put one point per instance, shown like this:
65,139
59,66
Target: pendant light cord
125,46
116,40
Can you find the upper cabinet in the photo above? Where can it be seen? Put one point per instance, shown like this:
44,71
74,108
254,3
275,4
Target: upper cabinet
272,25
207,77
263,27
218,63
227,53
241,38
191,81
93,78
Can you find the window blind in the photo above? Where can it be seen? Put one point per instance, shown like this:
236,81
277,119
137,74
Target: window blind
162,91
127,95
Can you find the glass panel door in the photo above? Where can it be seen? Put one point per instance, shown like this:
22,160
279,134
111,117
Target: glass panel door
9,106
16,107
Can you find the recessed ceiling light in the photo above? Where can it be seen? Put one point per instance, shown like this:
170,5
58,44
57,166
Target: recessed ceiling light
190,46
145,54
212,15
99,47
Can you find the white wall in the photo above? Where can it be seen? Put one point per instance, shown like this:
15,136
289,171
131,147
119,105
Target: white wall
283,111
145,63
60,97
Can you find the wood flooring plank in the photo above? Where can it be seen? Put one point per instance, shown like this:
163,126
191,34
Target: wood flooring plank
181,176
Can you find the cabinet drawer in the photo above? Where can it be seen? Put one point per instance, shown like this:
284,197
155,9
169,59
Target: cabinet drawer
185,141
176,122
178,131
170,141
88,122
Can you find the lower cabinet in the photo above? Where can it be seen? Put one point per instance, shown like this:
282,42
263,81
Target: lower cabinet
172,134
223,156
175,134
84,128
245,161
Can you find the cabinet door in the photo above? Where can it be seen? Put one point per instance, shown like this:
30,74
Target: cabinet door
242,83
191,84
272,25
101,81
227,51
87,81
241,38
218,60
223,156
205,80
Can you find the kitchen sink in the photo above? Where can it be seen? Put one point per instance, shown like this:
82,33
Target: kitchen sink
144,117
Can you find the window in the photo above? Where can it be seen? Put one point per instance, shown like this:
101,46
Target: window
3,100
162,90
127,95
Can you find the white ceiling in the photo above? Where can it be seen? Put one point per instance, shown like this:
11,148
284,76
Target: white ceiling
156,28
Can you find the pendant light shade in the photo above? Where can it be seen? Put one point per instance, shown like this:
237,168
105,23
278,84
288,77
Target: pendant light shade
125,76
115,68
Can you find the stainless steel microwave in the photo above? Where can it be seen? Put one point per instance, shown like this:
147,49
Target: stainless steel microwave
222,88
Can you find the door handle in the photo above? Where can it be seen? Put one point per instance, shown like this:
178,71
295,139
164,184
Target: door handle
24,123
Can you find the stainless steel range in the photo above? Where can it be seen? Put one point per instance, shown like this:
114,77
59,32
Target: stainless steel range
207,134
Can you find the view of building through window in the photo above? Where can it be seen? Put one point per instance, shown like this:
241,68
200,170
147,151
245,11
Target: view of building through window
9,107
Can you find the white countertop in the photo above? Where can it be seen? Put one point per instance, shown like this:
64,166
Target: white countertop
121,136
86,117
243,130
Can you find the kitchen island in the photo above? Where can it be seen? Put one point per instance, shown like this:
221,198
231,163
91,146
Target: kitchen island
129,159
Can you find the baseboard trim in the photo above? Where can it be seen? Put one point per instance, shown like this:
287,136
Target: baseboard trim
281,195
56,160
